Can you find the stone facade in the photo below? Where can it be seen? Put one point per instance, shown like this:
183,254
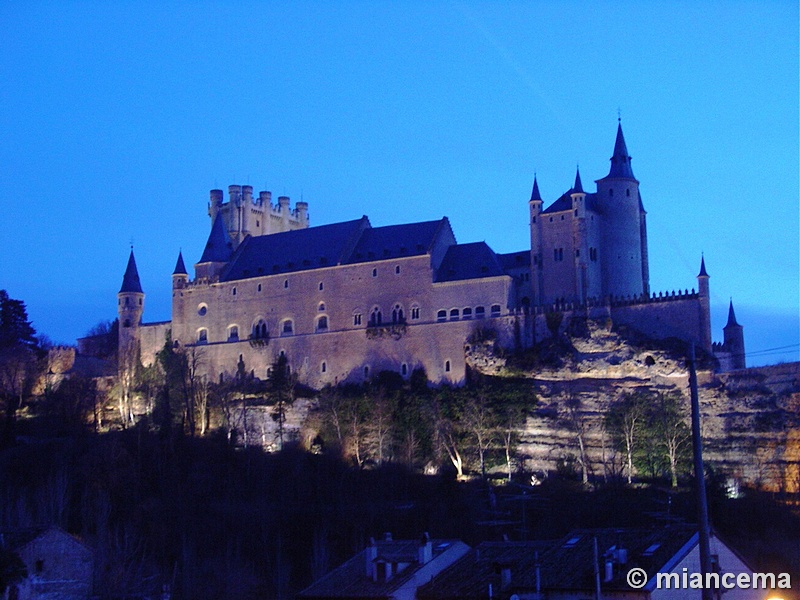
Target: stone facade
347,300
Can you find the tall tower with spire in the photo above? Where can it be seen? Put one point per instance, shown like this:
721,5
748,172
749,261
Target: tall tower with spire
130,306
623,234
734,340
535,208
705,306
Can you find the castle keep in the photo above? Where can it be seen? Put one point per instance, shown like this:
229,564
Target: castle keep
347,300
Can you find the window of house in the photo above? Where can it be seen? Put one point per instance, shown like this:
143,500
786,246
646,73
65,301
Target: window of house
397,270
322,323
259,287
397,314
480,312
233,333
202,309
414,313
374,272
260,329
285,284
466,313
321,286
321,307
454,314
357,319
202,336
375,317
447,366
495,310
628,193
610,191
288,327
404,369
441,315
323,367
233,292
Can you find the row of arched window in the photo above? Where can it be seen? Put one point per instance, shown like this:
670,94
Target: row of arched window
467,313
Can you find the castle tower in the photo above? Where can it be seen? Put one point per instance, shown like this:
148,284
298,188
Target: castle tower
579,238
705,306
734,340
624,248
537,275
130,306
180,276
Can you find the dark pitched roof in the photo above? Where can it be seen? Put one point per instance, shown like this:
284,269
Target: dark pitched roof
471,575
515,260
731,317
621,161
578,187
350,579
702,272
394,241
535,195
180,267
219,246
468,261
130,281
298,250
565,203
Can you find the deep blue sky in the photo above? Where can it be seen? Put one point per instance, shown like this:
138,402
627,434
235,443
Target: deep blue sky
117,118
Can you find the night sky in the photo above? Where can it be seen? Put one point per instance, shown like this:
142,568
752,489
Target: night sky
118,118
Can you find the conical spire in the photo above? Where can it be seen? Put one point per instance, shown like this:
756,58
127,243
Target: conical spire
731,317
578,187
130,282
621,161
219,246
535,195
180,267
702,272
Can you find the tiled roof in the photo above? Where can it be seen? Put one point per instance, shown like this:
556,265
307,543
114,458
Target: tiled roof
515,260
350,579
469,261
298,250
130,281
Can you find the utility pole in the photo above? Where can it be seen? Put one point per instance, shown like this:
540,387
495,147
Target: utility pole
699,478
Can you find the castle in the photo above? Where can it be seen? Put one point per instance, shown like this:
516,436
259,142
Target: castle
347,300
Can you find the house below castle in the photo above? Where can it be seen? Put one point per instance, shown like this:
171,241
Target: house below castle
347,300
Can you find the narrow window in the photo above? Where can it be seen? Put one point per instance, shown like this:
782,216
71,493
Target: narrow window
397,314
285,284
321,286
202,336
323,367
322,323
454,314
447,366
404,369
441,315
321,307
374,272
140,301
233,291
397,270
259,287
375,317
610,191
357,319
127,301
576,212
414,313
628,192
233,334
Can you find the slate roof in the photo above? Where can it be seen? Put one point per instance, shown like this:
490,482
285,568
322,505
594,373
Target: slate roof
393,241
469,261
180,267
130,281
731,317
298,250
621,161
219,246
565,564
350,580
535,195
565,203
702,272
515,260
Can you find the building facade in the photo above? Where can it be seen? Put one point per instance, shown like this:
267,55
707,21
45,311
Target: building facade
345,301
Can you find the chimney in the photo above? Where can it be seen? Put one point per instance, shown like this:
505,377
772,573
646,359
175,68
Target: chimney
371,553
425,551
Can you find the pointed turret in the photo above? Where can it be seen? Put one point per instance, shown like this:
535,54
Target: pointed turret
702,272
219,246
621,161
535,195
180,267
732,317
578,187
130,281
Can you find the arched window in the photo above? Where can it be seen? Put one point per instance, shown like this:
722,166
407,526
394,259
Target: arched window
233,333
454,314
321,307
356,319
202,309
322,323
480,312
202,336
259,330
495,310
397,314
287,327
321,286
375,317
414,312
441,315
466,314
404,369
323,367
447,366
